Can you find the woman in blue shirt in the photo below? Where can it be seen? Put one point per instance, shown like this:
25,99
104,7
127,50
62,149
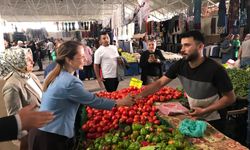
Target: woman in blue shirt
62,95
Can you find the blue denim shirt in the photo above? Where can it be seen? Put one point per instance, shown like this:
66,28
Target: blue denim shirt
63,98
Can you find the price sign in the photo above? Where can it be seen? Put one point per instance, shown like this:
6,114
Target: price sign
135,83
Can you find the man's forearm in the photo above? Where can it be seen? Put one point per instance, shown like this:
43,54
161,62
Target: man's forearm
97,70
154,87
225,101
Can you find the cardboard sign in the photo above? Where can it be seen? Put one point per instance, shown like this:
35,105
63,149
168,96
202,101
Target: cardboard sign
135,83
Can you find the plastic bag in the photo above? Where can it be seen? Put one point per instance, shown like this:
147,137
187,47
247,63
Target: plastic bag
193,128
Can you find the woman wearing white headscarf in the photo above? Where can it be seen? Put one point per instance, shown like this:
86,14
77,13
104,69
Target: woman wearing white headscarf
22,87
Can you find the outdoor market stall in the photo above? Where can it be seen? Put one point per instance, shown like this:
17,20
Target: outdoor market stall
146,125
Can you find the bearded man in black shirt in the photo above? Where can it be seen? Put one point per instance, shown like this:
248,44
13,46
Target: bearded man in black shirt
206,82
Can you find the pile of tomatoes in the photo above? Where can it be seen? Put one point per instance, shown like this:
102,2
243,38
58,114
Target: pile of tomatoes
101,121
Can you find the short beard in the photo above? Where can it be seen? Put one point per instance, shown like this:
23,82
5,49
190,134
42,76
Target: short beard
192,57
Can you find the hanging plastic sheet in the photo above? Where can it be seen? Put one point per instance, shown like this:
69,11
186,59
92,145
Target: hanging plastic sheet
222,17
197,14
233,25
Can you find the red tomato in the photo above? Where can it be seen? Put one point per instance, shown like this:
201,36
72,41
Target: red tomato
145,113
152,114
85,127
136,120
129,121
99,129
121,120
132,113
157,122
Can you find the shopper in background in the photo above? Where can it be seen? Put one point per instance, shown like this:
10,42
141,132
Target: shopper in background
236,46
6,44
63,93
11,127
32,46
20,44
206,82
40,55
88,67
227,48
50,48
106,59
22,87
151,63
244,52
52,65
144,43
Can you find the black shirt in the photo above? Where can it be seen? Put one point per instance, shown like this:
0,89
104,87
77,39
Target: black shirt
151,69
204,81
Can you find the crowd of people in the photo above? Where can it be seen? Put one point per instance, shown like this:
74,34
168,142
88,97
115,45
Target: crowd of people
233,48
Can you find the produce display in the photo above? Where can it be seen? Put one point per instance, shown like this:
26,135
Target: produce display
129,57
240,79
101,121
135,136
171,56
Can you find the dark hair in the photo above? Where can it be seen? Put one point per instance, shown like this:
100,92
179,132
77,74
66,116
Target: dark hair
197,35
66,50
102,33
151,39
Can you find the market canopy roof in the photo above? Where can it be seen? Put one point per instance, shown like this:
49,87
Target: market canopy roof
74,10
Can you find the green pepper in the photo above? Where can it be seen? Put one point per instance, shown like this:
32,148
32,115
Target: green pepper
123,134
178,144
115,139
126,144
161,145
163,136
136,127
148,125
108,138
134,146
134,135
170,147
156,139
120,145
149,137
139,138
114,147
118,133
143,131
127,130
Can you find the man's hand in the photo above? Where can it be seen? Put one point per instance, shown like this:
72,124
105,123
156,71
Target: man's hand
197,112
150,60
34,119
100,82
127,101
